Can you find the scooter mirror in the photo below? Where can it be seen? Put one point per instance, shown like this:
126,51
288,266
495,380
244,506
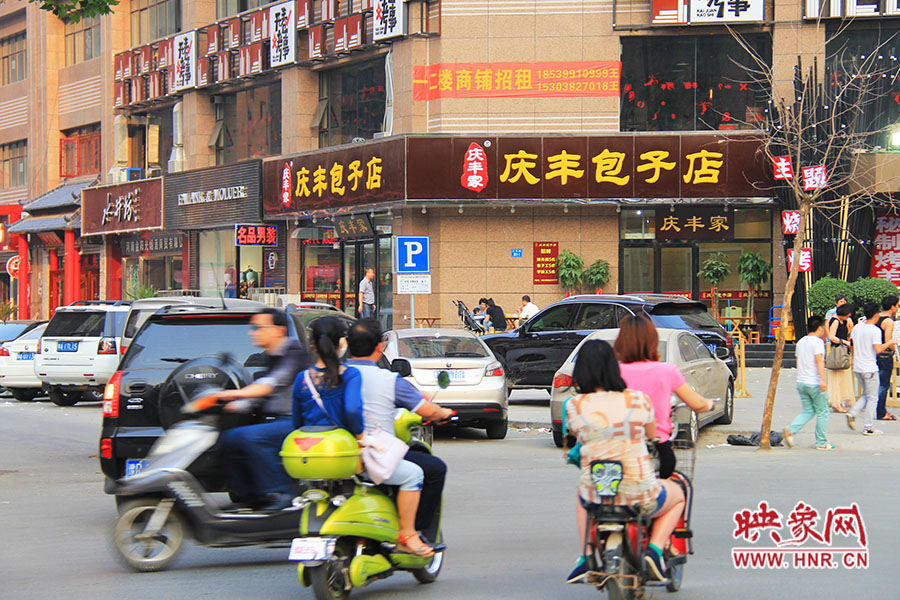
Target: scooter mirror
401,366
443,380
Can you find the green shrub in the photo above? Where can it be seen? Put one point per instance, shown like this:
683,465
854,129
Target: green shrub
597,275
871,289
570,270
820,297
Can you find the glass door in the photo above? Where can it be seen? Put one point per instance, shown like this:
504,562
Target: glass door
676,270
352,277
385,290
638,270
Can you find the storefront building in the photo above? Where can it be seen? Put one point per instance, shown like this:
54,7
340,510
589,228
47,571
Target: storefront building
231,250
117,213
496,208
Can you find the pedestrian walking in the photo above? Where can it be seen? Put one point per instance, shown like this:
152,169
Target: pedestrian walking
867,343
811,384
885,360
366,300
840,381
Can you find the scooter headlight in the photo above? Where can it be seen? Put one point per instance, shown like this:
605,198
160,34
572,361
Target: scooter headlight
315,495
339,500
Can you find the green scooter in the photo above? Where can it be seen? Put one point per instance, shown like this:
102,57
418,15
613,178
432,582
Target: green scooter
349,527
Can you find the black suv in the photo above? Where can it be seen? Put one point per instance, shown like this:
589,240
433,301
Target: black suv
182,346
532,353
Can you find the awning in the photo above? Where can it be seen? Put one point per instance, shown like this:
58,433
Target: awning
38,224
68,194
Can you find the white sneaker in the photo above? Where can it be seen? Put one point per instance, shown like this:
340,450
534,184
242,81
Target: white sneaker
872,432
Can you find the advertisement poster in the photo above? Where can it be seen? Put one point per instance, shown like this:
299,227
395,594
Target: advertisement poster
185,61
545,254
283,37
389,19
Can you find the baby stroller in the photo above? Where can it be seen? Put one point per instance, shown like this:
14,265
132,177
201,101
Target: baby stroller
465,317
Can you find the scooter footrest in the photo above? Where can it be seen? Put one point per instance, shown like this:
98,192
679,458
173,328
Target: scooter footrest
683,533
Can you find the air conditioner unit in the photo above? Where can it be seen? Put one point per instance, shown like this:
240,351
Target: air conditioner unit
134,174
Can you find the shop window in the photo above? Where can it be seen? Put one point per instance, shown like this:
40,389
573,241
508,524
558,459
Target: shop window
150,142
638,225
12,59
82,40
732,253
248,125
79,151
226,8
216,261
684,84
352,103
752,224
637,270
154,19
13,163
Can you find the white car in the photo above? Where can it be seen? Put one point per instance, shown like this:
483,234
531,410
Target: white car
707,374
477,390
80,350
17,365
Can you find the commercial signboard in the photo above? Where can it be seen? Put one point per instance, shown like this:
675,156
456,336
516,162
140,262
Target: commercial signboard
218,196
283,34
694,222
710,12
545,255
132,206
389,19
185,49
886,249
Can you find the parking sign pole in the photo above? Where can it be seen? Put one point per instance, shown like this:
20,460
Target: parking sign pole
412,311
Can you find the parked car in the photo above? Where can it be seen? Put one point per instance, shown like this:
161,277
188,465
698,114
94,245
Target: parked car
183,345
13,329
532,353
477,390
17,364
80,350
707,374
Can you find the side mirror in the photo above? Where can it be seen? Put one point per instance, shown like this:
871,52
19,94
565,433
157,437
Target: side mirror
722,352
402,367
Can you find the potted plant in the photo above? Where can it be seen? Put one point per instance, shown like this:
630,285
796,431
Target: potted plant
570,271
597,275
754,271
7,311
714,270
141,291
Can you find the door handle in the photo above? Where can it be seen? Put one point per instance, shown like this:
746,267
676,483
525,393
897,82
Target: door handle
693,371
708,369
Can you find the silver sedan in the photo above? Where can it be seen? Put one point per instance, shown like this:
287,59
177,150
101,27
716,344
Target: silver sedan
477,390
708,375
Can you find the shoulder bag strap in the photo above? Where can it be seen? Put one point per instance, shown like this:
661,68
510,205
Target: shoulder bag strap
317,397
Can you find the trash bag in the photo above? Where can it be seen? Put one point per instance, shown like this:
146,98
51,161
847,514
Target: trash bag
775,439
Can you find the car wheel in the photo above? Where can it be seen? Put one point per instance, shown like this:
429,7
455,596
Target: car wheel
557,437
728,416
497,430
24,394
61,398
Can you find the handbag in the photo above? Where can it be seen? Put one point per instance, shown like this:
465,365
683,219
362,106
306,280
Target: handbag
381,452
838,358
572,455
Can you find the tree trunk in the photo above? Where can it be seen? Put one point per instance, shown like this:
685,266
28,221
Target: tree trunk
764,442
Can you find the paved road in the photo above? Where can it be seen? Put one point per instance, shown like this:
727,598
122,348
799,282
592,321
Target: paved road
508,522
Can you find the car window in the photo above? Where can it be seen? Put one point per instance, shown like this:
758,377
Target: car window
136,318
77,323
687,349
701,349
440,346
621,313
10,331
32,334
168,342
555,318
115,323
690,317
597,316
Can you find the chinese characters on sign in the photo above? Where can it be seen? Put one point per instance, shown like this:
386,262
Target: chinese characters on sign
132,206
523,80
814,178
352,226
886,253
545,254
474,176
695,223
837,538
805,260
122,208
790,222
134,246
726,11
283,36
185,59
389,18
783,167
255,235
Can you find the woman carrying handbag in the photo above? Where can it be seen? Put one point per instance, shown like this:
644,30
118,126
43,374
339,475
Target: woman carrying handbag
837,363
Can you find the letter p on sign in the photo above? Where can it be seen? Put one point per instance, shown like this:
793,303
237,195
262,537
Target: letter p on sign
413,254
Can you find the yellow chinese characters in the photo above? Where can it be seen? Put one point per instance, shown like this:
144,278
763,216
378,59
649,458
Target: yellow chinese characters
708,171
563,165
521,162
655,162
609,165
670,224
337,178
718,223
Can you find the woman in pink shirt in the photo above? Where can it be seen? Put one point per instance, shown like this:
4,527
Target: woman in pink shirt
637,349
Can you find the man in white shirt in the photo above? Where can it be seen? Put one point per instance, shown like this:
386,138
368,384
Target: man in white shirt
811,384
867,343
528,310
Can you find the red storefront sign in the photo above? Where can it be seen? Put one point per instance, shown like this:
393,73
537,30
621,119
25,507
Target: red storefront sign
12,266
790,222
734,294
886,251
132,206
783,168
805,259
545,254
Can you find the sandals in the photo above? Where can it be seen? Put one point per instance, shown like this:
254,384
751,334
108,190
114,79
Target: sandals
423,550
888,417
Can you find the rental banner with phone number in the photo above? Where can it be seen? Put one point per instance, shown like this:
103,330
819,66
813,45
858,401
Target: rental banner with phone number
516,80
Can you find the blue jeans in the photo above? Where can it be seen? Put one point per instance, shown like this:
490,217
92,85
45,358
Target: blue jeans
885,368
815,404
368,311
250,458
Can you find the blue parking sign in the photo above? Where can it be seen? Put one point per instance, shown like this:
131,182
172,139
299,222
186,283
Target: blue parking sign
412,254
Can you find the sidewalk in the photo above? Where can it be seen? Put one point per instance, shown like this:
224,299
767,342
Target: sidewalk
530,408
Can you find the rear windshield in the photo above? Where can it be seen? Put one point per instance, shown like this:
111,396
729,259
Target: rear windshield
168,342
683,318
33,334
10,331
136,318
439,346
77,323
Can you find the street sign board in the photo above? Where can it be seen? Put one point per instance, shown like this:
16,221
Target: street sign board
413,254
12,267
414,284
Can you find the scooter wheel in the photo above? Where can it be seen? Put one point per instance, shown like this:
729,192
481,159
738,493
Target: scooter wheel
676,575
146,554
429,573
329,580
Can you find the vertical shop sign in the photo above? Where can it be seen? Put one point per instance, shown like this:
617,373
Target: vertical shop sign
790,222
886,252
185,61
814,178
389,19
545,254
783,167
805,260
475,172
283,38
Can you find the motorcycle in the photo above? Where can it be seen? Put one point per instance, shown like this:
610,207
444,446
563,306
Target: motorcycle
617,535
349,526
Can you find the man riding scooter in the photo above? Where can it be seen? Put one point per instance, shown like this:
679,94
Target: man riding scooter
249,454
383,392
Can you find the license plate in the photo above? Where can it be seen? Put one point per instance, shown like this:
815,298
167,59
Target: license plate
25,356
455,374
133,466
67,346
311,548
